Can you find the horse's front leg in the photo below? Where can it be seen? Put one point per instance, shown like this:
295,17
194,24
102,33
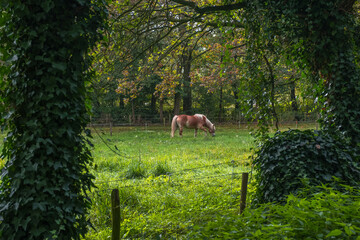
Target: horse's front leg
204,129
195,132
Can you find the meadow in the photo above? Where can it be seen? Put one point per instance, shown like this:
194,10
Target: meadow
166,185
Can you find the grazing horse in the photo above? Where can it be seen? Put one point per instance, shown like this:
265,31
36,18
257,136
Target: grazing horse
196,121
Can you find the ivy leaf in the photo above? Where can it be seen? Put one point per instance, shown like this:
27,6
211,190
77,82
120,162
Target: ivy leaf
47,5
13,58
334,233
39,205
59,65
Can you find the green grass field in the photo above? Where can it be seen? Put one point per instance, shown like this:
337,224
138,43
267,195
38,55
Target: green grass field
154,146
166,184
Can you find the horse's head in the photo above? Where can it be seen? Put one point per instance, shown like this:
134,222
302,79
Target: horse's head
207,123
212,130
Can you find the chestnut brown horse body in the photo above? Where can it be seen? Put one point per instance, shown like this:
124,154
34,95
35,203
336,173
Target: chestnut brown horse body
197,121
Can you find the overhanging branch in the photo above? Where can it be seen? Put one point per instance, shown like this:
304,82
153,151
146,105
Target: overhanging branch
210,9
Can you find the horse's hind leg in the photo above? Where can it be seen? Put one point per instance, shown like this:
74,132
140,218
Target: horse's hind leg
180,131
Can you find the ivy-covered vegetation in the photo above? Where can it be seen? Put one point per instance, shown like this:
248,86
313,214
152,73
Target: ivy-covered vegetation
289,158
322,38
44,45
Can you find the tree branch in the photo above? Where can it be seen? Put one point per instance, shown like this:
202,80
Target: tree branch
211,9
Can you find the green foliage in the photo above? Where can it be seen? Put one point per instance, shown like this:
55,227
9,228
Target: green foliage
291,156
328,214
44,46
321,38
341,102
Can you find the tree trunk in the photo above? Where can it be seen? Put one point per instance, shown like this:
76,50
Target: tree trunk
177,102
153,104
294,105
221,105
187,96
133,117
161,106
47,168
236,97
272,96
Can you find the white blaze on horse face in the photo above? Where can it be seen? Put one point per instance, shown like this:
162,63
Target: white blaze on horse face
213,130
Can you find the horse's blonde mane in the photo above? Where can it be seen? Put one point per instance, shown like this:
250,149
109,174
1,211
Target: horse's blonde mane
200,115
208,123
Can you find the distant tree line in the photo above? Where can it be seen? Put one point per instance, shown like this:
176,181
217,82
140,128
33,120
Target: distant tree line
167,57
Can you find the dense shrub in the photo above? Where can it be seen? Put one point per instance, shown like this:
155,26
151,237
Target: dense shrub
287,158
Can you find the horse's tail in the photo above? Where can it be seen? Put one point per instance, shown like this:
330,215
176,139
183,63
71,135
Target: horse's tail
173,125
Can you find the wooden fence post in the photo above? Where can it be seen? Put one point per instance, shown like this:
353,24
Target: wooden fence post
115,211
244,183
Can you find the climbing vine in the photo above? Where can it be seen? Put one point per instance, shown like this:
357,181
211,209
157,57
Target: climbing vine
44,46
320,36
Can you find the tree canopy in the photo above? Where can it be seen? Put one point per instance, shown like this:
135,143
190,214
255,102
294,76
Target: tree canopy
268,44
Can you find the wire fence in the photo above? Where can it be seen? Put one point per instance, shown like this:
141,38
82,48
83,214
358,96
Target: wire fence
165,120
168,204
233,164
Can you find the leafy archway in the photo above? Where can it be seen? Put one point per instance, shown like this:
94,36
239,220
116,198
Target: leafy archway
44,45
